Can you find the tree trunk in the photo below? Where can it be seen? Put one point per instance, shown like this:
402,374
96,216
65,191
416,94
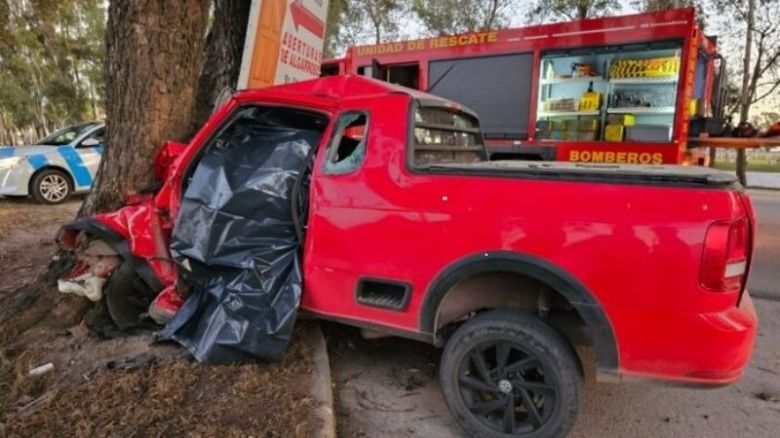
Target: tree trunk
221,65
153,54
583,8
3,131
744,101
491,17
92,102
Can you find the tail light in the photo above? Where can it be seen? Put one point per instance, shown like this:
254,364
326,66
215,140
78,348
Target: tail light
725,258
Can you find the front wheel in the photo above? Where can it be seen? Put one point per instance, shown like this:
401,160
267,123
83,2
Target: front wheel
506,373
50,186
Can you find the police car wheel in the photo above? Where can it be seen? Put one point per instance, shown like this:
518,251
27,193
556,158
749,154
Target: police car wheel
50,187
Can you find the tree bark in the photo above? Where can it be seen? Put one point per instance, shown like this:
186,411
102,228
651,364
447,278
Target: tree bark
154,51
222,62
744,102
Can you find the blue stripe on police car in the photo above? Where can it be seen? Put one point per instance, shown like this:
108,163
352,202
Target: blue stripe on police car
37,161
75,165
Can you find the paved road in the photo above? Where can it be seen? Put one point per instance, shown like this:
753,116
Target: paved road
764,179
765,276
387,388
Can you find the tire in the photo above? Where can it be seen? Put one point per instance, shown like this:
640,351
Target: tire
127,297
503,358
51,186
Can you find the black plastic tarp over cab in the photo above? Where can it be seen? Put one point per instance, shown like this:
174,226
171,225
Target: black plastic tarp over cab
235,237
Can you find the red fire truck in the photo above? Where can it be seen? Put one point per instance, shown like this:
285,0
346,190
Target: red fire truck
627,89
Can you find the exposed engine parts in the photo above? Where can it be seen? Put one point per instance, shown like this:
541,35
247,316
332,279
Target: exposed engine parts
95,261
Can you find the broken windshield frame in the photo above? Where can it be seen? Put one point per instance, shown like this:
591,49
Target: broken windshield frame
319,119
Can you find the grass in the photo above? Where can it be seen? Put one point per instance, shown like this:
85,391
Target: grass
752,165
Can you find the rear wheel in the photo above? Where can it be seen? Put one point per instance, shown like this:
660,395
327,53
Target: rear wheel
50,186
505,373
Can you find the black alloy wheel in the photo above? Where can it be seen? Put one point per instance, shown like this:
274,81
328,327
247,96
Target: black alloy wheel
505,373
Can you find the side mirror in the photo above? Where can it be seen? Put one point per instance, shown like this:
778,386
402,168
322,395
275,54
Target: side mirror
91,142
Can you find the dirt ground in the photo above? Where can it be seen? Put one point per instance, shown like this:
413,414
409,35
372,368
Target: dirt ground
128,386
27,233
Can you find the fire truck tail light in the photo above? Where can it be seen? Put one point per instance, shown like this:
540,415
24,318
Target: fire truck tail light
724,261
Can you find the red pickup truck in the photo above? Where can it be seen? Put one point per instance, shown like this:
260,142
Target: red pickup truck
396,221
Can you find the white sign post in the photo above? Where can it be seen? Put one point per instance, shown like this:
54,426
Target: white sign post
284,41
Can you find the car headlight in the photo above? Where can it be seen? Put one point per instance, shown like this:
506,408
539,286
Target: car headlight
7,163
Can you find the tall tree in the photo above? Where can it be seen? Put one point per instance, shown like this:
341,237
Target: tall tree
154,51
51,61
660,5
745,94
333,43
663,5
448,17
757,24
570,10
380,14
367,21
222,60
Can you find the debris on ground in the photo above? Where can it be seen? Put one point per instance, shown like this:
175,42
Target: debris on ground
112,387
175,398
772,397
42,369
99,261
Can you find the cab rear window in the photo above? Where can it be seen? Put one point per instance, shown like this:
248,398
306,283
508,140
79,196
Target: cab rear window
445,135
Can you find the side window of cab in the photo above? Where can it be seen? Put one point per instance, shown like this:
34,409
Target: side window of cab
347,148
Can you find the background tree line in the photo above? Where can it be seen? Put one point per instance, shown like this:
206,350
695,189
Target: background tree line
51,65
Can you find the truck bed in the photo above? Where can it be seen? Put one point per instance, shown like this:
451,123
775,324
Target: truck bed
686,176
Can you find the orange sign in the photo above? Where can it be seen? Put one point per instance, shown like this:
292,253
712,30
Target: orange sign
283,42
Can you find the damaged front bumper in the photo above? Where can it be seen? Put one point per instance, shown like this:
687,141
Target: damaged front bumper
134,238
96,261
236,235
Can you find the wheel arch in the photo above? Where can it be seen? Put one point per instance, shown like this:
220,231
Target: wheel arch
67,173
596,322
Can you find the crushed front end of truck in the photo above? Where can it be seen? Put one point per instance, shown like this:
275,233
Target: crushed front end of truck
219,266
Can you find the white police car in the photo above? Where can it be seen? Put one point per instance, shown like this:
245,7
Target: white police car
61,164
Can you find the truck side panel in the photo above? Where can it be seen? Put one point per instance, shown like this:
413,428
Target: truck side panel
636,248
